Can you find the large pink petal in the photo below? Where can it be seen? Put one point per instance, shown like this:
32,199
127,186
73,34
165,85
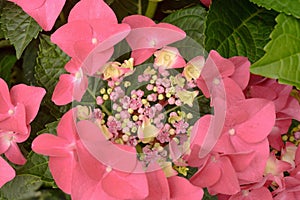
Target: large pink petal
30,97
62,169
158,185
92,9
240,161
66,127
80,88
261,119
7,173
241,74
5,101
182,189
29,4
118,157
138,21
141,55
63,91
67,35
15,155
125,185
260,193
51,145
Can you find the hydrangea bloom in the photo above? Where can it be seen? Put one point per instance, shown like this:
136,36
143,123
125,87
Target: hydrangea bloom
19,106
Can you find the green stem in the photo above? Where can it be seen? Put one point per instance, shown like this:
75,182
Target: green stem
151,8
103,108
91,93
140,7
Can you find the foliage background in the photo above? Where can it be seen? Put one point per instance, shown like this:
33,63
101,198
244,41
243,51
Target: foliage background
267,32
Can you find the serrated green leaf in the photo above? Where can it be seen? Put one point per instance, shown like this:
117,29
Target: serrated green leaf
50,128
129,7
50,65
7,61
207,196
282,58
289,7
192,21
18,27
29,62
238,28
20,188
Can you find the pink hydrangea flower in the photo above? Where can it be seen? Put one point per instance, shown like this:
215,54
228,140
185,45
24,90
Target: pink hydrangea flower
45,12
146,36
90,36
70,86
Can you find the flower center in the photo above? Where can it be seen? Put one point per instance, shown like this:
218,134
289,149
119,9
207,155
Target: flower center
94,41
231,132
11,112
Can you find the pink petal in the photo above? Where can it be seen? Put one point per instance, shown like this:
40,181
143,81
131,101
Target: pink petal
240,161
67,35
182,189
260,193
7,173
206,2
29,4
138,21
80,88
73,66
92,9
16,121
257,91
141,55
125,185
62,169
30,97
116,156
5,101
5,141
292,108
158,185
63,91
241,74
14,154
261,119
66,127
51,145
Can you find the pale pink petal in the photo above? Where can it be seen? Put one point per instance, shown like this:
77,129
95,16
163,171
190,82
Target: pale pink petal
7,173
30,96
125,185
92,9
80,88
15,155
182,189
241,74
119,157
62,169
51,145
5,141
67,35
63,91
138,21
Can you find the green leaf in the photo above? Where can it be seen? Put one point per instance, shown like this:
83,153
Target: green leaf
207,196
289,7
50,65
192,21
29,62
282,58
18,27
129,7
50,128
7,61
238,28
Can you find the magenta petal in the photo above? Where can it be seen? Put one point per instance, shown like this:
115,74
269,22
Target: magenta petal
51,145
67,35
7,173
62,169
92,9
261,119
125,185
5,101
63,91
138,21
30,97
14,154
182,189
118,157
66,127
